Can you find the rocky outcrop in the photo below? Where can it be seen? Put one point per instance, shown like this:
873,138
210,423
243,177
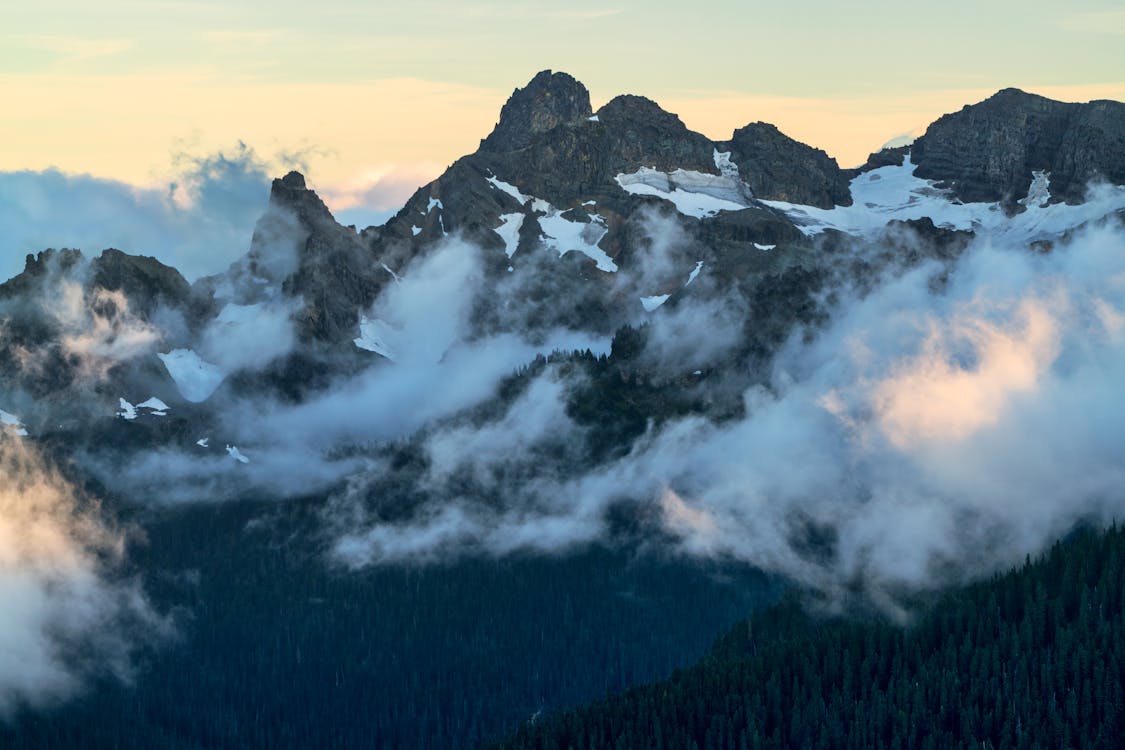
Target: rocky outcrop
886,157
145,281
581,160
549,100
327,265
988,151
776,167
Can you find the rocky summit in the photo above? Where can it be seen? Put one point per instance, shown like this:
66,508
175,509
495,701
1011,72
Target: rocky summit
990,151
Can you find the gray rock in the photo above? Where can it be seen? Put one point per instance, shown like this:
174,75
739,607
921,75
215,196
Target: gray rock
550,99
988,151
776,167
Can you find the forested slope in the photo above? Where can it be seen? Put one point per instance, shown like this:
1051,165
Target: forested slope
1031,659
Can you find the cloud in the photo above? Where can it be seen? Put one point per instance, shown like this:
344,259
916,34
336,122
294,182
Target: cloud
199,223
921,438
98,330
376,194
65,616
434,366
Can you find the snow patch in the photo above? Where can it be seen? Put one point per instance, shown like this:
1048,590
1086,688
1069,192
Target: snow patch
195,378
1040,190
434,203
373,336
509,231
764,248
236,454
725,166
415,230
155,407
692,193
203,442
894,193
653,302
564,236
13,423
593,118
510,189
125,410
694,272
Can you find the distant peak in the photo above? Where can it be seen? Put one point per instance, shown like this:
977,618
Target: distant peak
294,181
547,101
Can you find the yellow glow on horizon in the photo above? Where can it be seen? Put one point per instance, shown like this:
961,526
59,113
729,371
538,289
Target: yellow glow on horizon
128,127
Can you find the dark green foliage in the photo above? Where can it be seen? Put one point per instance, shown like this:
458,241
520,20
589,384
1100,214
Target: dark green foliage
1031,659
621,397
278,649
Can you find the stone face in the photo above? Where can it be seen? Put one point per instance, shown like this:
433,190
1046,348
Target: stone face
776,167
988,151
550,99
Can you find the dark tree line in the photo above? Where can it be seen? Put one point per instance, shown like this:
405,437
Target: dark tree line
1034,658
276,648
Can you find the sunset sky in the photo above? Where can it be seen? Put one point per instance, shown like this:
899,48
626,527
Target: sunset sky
376,98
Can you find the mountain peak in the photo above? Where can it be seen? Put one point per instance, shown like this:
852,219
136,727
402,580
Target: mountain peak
294,180
548,100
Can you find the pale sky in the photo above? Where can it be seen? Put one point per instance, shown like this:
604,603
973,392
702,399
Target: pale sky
385,95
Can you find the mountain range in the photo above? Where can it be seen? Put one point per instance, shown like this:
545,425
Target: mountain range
602,348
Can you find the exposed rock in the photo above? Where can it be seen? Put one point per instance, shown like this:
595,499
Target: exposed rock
581,160
145,281
36,270
886,157
333,270
776,167
988,151
549,100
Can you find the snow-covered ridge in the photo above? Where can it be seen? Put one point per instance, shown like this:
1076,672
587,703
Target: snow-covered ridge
894,193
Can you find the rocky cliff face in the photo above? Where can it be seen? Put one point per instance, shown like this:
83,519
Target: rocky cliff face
776,167
299,244
988,151
549,100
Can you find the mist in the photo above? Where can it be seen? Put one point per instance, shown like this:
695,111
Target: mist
67,615
949,418
921,438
